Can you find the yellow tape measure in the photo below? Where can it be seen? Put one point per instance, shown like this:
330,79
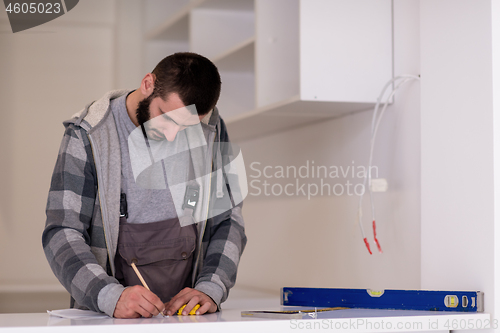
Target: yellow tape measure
192,312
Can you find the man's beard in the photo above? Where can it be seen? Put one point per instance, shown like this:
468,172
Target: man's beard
142,111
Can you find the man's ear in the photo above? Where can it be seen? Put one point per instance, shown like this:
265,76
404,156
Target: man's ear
148,84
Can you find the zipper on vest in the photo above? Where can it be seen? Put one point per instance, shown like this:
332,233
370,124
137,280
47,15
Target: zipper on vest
102,206
202,233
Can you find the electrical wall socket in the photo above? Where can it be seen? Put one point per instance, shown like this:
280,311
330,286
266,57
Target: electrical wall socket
378,185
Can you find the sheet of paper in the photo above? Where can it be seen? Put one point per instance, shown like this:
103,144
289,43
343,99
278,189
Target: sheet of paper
77,314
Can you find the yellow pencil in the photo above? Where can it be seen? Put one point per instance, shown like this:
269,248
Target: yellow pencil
142,280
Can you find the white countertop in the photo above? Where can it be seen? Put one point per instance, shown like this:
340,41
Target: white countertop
230,320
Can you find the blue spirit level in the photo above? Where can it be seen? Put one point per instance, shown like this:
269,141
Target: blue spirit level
429,300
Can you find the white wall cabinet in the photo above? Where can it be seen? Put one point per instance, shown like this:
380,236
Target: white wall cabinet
305,60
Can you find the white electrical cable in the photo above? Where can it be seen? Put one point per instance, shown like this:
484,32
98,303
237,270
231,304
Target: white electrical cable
372,144
387,85
374,129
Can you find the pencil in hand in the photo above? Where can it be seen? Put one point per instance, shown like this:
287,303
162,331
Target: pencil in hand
142,279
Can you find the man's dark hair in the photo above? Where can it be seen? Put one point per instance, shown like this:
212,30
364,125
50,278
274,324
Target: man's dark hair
192,76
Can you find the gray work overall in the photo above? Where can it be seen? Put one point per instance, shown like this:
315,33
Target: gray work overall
163,253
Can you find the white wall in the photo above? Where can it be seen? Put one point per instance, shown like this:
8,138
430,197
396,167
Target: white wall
47,74
294,241
129,47
457,118
495,14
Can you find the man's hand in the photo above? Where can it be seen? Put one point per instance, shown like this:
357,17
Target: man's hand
191,297
136,302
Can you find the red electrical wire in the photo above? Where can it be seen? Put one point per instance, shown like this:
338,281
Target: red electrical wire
367,245
375,238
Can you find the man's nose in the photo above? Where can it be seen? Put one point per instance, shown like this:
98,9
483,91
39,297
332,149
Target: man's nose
171,132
